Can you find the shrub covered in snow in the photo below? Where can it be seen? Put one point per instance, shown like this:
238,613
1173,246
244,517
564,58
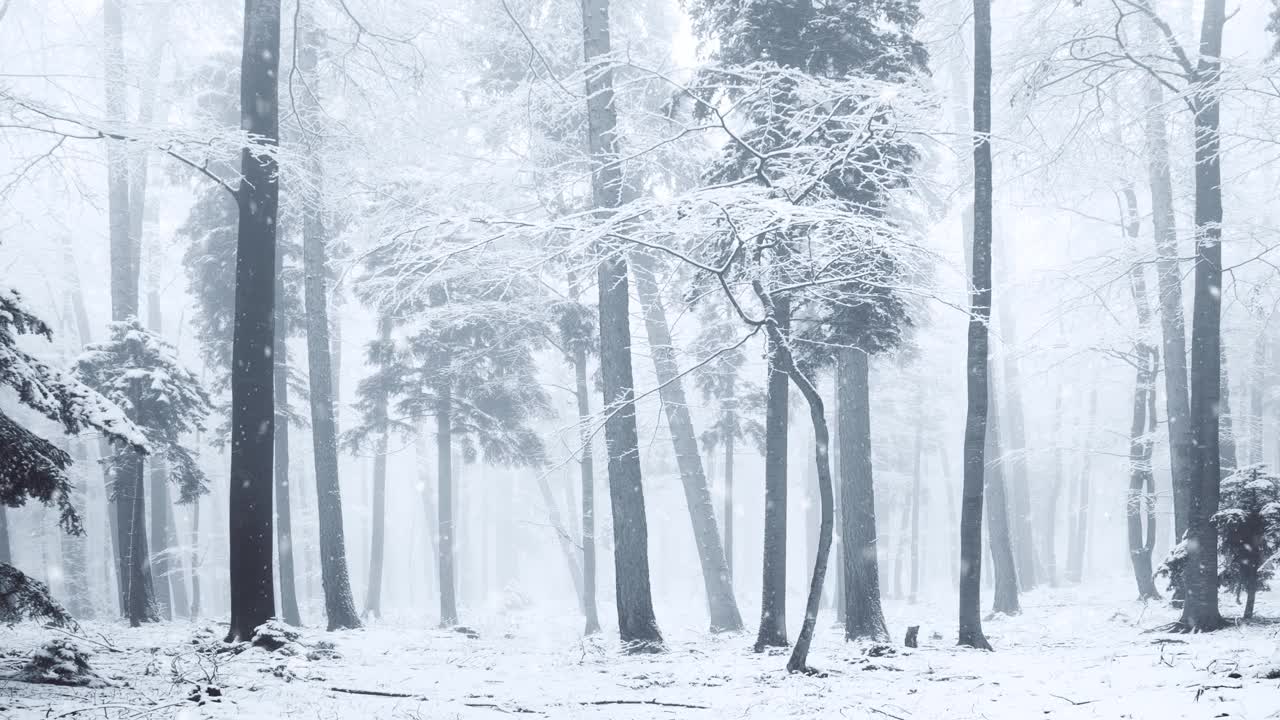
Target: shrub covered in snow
60,662
1248,522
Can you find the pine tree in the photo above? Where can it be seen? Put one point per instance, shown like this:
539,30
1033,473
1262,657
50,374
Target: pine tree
33,467
140,372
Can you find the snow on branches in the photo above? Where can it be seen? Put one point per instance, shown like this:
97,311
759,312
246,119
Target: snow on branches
141,373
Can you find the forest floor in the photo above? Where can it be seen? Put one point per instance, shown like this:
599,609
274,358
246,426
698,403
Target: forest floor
1070,654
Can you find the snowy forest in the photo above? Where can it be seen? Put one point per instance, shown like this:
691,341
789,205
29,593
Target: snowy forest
884,359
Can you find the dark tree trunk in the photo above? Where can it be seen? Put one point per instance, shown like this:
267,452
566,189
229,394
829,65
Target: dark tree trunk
373,599
284,513
721,605
1004,569
444,504
970,631
587,471
773,593
339,606
636,622
252,414
863,615
1200,611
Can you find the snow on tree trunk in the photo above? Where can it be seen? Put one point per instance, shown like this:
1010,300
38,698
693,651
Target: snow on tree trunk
636,622
970,611
252,414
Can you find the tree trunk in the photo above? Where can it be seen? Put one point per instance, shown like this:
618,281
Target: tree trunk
1227,456
864,616
1169,279
773,592
444,504
430,514
636,622
916,480
79,595
373,599
252,414
1200,611
1257,394
587,472
6,554
284,512
177,566
970,629
721,605
1146,359
339,606
1015,466
195,559
1050,538
730,421
1078,531
1004,569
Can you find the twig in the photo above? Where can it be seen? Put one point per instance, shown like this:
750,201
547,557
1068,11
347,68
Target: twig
644,702
375,693
499,708
882,712
1073,702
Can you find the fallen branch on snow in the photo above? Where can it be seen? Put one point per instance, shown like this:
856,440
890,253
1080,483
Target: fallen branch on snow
644,702
375,693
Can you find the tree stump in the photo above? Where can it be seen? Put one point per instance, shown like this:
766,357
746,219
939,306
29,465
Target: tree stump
913,633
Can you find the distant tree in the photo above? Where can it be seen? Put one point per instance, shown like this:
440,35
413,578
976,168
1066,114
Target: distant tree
466,360
576,324
140,372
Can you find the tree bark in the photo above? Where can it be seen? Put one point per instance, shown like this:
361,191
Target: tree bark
773,592
339,606
721,605
1004,569
1146,359
373,598
252,414
636,622
284,512
970,614
587,471
1169,279
444,504
1200,611
864,616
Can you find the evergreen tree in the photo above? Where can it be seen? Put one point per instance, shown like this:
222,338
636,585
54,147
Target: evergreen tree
140,372
33,467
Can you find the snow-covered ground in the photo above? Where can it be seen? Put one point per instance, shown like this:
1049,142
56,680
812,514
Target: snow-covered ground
1071,654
